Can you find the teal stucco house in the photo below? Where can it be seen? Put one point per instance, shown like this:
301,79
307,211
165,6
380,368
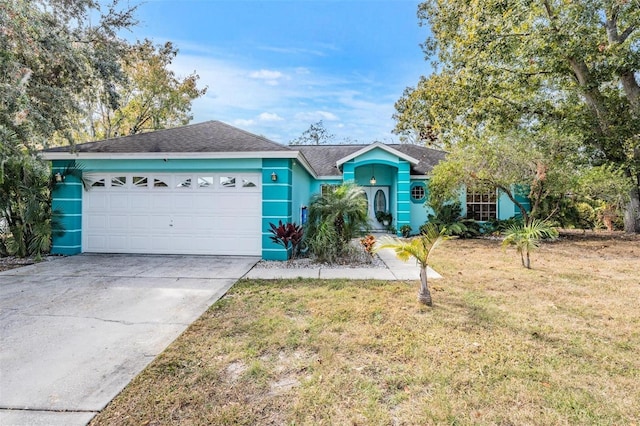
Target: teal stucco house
211,188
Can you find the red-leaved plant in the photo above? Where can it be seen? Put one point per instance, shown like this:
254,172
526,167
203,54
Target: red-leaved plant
287,234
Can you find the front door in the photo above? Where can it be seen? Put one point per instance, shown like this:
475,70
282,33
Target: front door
377,200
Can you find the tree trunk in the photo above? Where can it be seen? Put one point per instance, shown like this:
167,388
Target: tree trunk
632,212
424,295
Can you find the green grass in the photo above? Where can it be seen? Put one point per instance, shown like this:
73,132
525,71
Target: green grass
557,344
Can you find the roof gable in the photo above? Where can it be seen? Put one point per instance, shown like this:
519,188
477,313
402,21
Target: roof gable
373,146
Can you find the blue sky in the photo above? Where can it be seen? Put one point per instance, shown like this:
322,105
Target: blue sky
275,67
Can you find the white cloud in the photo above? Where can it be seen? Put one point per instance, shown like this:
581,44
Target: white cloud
269,116
241,122
316,116
266,74
241,94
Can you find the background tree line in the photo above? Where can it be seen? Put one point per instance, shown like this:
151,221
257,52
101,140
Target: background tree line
67,76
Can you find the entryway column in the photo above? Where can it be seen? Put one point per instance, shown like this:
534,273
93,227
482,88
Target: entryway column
404,195
66,208
276,203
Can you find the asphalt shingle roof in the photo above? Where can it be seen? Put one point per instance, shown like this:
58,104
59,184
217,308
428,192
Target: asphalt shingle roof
215,136
323,158
210,136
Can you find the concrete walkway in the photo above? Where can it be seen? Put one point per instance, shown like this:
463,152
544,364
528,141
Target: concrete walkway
76,330
396,270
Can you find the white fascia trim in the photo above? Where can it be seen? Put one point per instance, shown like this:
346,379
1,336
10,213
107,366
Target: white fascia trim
167,155
302,160
416,177
330,177
178,155
375,145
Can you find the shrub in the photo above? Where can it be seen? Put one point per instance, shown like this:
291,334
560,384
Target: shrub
334,219
368,242
448,219
25,207
287,234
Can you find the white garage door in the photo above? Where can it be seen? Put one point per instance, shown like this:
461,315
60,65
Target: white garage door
173,213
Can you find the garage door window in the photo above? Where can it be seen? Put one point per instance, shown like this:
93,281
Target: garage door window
227,182
118,181
140,181
159,183
248,183
100,183
205,181
183,182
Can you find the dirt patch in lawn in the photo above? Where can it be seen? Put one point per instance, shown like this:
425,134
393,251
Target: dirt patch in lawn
557,344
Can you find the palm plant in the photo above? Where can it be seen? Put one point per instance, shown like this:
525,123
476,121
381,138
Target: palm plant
526,237
25,207
420,248
335,218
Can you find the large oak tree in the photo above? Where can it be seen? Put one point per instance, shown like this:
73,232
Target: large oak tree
504,66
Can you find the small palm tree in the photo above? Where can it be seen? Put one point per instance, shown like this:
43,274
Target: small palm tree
526,238
420,248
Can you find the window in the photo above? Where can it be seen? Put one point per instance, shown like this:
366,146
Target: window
184,182
380,201
98,183
482,205
246,183
159,183
327,189
205,181
140,181
227,182
118,181
417,192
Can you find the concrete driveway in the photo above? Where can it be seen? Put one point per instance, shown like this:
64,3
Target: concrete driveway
75,331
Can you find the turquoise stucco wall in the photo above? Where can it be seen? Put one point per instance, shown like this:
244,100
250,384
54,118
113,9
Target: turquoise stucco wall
66,205
403,191
418,210
276,203
172,165
301,191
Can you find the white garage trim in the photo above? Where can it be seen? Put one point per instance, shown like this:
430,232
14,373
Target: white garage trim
180,213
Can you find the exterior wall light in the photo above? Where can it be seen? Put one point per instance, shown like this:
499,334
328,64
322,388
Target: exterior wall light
274,177
59,178
372,181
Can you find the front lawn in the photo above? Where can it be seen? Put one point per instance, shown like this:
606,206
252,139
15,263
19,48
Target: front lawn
557,344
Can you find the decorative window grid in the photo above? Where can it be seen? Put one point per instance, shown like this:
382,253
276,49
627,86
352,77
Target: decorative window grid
482,206
417,193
